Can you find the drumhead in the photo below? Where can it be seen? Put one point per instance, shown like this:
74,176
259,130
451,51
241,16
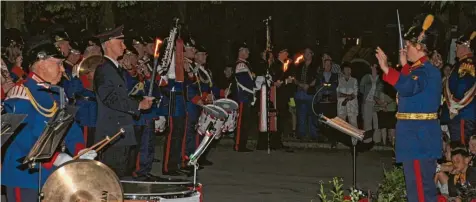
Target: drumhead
215,111
227,104
220,113
153,191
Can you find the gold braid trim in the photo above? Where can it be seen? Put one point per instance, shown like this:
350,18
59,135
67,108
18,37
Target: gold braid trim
43,111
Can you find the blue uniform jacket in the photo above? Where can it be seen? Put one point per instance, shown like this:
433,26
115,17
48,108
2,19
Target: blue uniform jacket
243,77
19,101
419,91
84,99
137,88
461,80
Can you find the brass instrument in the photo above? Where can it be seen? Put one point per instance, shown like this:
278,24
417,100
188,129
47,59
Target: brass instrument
87,67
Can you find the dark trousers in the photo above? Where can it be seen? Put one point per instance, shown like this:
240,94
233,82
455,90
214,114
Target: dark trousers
16,194
306,116
461,130
121,159
243,129
146,148
191,139
173,145
88,133
419,180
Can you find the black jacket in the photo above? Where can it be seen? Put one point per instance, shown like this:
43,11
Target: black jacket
115,108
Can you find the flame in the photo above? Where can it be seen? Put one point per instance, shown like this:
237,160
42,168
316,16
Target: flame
285,67
157,45
298,59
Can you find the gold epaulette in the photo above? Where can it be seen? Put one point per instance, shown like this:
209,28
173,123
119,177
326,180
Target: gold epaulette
19,92
466,67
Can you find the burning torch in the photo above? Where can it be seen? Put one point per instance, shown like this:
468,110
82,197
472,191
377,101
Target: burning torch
156,61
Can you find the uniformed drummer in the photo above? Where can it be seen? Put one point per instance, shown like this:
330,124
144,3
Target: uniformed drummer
205,80
460,88
418,138
244,95
40,103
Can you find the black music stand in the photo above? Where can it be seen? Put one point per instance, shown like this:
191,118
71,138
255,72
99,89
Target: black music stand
10,122
365,138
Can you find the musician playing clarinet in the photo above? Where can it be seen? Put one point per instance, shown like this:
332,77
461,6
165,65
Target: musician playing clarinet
244,94
418,138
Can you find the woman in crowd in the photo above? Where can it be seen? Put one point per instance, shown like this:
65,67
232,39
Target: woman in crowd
347,90
370,87
386,115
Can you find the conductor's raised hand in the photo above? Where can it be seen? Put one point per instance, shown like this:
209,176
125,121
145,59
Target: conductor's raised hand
146,103
403,57
382,59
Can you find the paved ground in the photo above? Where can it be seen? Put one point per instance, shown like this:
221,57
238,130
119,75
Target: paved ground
282,176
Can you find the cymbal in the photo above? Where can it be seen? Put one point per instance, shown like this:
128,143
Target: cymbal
82,181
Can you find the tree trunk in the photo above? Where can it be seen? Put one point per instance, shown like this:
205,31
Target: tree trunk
107,21
15,15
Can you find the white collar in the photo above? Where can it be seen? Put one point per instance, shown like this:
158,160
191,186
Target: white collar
113,61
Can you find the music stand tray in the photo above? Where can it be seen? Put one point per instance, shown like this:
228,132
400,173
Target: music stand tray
10,122
51,137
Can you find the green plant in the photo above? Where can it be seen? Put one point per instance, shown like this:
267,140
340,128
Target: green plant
392,188
336,193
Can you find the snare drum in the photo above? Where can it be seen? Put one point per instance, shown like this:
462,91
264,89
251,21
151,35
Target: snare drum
221,116
211,116
231,108
158,191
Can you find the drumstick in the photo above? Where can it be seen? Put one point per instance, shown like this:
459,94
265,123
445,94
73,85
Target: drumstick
89,149
103,143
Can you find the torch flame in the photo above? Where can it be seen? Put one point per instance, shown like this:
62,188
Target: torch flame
298,59
157,45
285,67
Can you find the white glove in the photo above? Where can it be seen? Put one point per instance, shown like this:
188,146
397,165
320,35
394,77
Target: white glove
259,81
61,159
88,155
160,124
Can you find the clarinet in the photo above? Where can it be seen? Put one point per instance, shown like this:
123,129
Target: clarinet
166,59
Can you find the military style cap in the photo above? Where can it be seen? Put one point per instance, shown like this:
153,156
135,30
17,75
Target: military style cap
109,34
13,35
60,36
418,33
40,48
134,36
129,46
201,49
467,38
241,46
188,41
280,48
76,48
86,36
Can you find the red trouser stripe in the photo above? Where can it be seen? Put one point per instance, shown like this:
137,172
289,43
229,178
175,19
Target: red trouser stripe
461,131
238,131
184,142
85,135
17,194
418,180
167,150
197,140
